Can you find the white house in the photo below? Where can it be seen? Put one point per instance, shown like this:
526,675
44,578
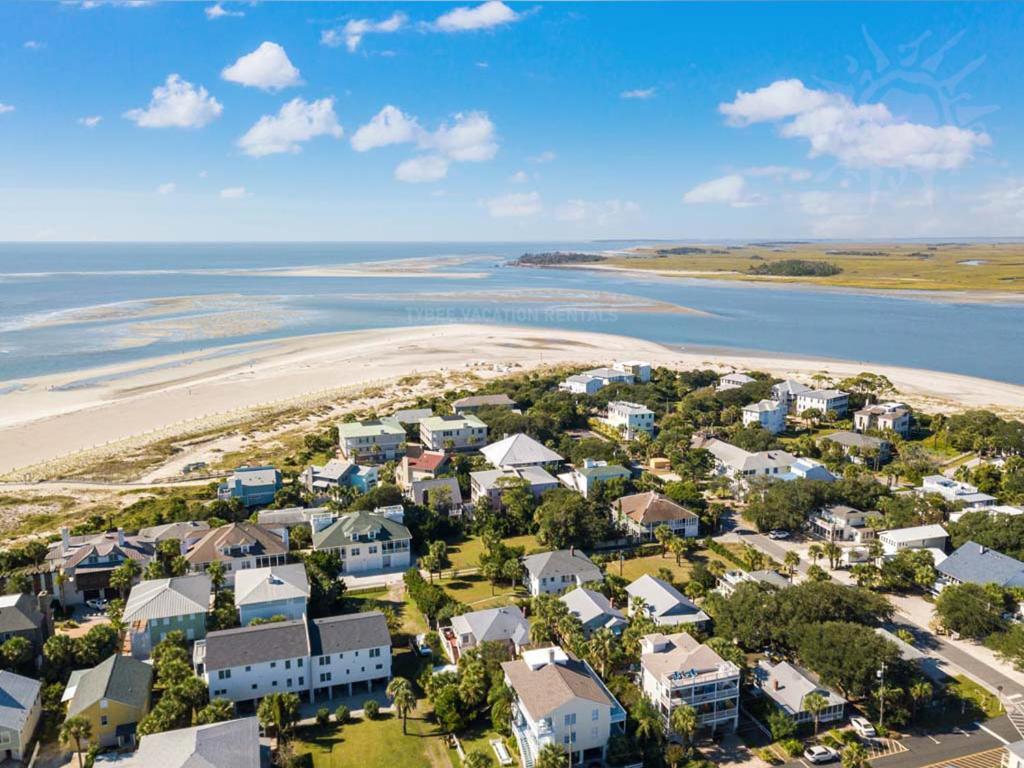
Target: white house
594,611
995,509
730,580
788,688
365,541
676,670
630,419
917,537
263,593
582,384
228,744
786,391
455,432
589,382
584,479
841,523
733,381
767,414
824,400
505,625
639,369
883,417
808,469
555,572
665,604
300,657
518,451
370,440
643,513
492,482
740,465
21,703
559,699
238,547
955,492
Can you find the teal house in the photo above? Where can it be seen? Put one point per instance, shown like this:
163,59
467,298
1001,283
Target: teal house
160,606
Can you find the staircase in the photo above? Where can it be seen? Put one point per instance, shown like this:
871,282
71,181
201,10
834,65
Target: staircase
525,755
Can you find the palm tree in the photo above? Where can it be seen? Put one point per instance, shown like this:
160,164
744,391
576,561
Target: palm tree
678,547
814,552
122,577
279,710
920,692
648,722
75,730
833,553
792,561
477,758
663,534
551,756
215,571
683,721
399,690
815,704
855,756
603,646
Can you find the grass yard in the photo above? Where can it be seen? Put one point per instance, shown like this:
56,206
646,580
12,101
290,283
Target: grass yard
375,744
466,554
476,591
973,695
412,620
478,737
638,566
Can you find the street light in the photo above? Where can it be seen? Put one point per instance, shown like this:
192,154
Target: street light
880,674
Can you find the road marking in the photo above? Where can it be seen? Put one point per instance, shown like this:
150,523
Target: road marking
990,758
990,732
961,731
933,738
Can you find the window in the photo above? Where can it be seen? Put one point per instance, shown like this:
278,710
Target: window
300,663
223,674
375,653
167,621
354,551
287,663
380,666
103,703
302,681
325,677
372,550
289,682
248,668
273,684
565,739
595,715
273,665
570,719
103,720
254,686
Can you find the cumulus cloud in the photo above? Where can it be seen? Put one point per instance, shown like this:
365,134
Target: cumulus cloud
639,93
33,45
177,104
296,122
268,68
6,108
493,13
389,126
470,137
600,212
424,168
515,205
90,121
234,193
218,11
859,136
729,190
166,189
355,29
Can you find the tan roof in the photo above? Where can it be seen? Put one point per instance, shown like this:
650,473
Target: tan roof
261,541
684,655
651,507
546,689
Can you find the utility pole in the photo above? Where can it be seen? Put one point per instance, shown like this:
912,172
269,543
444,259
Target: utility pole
881,695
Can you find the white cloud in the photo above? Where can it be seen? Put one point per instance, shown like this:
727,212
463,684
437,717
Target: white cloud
859,136
493,13
355,29
600,212
544,157
1005,202
177,104
268,68
516,205
296,122
470,137
234,193
218,11
483,65
389,126
90,121
639,93
166,189
778,172
6,108
33,45
424,168
519,177
730,190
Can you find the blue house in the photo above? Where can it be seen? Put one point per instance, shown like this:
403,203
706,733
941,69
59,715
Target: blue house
253,485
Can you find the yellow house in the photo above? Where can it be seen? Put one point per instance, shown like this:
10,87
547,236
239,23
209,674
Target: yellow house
113,696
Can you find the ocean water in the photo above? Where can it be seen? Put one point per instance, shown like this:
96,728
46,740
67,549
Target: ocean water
75,306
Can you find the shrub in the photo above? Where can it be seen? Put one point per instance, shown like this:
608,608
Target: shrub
793,747
341,714
323,716
371,708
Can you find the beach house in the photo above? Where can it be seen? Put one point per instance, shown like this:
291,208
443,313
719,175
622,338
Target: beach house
491,483
229,744
452,433
730,580
630,419
505,625
788,688
558,571
932,536
955,492
21,704
823,400
641,514
518,451
419,464
861,449
266,593
27,616
769,415
840,523
365,541
586,478
373,440
733,381
239,546
883,417
113,696
474,403
159,606
786,391
86,562
740,465
666,605
594,611
337,474
253,486
974,563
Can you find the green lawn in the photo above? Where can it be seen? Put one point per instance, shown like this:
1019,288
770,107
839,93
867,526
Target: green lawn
638,566
466,554
975,696
412,620
478,737
476,591
374,744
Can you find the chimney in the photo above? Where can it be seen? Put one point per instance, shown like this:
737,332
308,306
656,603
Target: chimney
65,539
775,685
43,599
120,537
284,536
551,655
572,550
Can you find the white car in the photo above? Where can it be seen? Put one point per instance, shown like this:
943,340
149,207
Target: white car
98,604
863,727
419,645
778,534
820,754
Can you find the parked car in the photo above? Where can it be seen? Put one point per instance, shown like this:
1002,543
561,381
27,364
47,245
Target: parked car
419,644
778,534
97,603
863,727
819,753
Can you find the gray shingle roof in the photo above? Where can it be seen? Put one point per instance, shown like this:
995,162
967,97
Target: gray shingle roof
120,678
164,598
347,528
787,686
278,582
518,449
975,564
256,644
231,744
562,562
17,696
587,605
665,603
507,623
19,613
350,632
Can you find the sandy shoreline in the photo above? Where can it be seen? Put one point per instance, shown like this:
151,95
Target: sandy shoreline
61,414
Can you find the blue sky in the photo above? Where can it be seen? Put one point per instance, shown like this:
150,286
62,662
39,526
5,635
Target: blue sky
469,121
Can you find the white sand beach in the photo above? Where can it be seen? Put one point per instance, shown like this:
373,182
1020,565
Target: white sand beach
58,415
